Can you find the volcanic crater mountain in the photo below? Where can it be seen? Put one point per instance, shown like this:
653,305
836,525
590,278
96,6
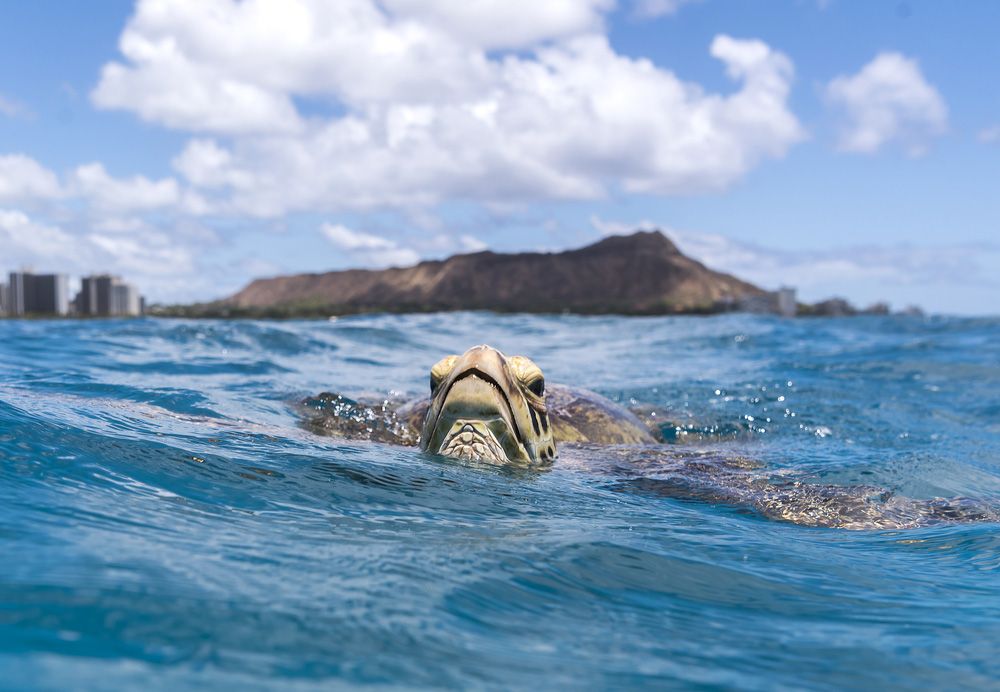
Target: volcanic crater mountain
643,273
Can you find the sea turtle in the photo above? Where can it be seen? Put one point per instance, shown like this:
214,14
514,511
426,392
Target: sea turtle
487,407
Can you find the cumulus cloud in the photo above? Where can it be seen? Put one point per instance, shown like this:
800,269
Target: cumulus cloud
205,164
104,233
495,102
150,254
24,179
101,225
137,193
174,92
142,249
371,250
563,124
30,241
232,68
496,24
889,99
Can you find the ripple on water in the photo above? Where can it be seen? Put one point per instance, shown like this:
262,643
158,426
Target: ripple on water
166,522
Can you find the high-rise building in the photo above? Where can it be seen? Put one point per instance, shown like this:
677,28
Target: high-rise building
86,299
29,293
104,285
21,292
47,294
124,300
104,294
51,294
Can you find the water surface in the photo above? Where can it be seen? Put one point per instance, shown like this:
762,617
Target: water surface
166,522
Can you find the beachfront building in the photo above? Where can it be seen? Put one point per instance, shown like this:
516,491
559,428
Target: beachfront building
28,293
35,294
106,295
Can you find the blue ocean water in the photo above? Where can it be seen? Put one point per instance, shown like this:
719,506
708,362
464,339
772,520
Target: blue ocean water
167,523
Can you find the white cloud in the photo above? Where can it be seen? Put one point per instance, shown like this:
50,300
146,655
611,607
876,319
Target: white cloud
594,116
175,47
422,111
32,242
24,179
173,93
226,67
91,181
132,248
343,237
369,249
151,254
100,224
562,125
889,99
495,24
205,164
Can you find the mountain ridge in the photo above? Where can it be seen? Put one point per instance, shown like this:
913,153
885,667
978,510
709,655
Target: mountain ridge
643,273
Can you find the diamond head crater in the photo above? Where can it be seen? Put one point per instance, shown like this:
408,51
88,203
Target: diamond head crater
640,274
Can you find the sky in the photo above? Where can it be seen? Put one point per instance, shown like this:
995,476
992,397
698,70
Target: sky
844,148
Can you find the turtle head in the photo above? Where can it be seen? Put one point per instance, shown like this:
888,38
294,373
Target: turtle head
488,407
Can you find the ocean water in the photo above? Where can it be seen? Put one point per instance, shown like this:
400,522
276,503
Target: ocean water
167,523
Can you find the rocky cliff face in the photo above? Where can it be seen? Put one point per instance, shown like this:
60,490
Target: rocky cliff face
637,274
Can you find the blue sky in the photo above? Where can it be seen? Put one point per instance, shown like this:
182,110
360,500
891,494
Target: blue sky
845,148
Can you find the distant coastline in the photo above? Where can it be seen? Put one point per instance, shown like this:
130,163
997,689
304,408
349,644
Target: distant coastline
318,309
640,274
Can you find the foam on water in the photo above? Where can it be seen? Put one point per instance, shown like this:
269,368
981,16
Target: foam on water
166,523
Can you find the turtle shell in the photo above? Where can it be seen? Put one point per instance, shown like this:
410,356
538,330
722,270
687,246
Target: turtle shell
579,415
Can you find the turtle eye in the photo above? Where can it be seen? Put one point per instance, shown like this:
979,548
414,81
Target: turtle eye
537,386
529,375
